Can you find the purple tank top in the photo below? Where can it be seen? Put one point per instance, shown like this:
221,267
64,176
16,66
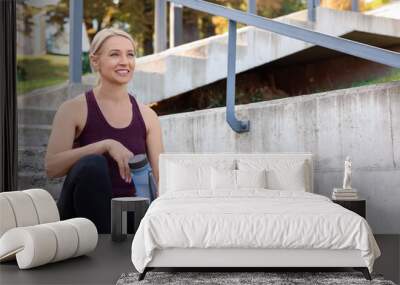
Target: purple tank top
133,137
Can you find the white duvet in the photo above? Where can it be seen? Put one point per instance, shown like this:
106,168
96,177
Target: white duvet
252,218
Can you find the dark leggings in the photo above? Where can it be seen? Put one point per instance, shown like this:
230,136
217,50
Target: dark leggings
87,193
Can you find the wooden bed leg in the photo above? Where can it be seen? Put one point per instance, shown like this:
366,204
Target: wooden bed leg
143,274
364,271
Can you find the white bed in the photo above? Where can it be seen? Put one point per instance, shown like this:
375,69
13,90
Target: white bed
201,219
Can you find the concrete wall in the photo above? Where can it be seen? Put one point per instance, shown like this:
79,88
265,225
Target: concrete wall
361,122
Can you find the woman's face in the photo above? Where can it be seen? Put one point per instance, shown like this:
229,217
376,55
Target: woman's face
116,60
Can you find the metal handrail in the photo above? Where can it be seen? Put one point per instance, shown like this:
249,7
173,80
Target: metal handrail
354,48
357,49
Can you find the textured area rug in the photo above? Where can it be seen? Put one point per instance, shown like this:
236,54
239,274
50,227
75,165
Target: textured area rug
269,278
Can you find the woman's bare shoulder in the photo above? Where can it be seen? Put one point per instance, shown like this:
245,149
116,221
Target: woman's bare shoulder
148,114
77,101
74,108
146,109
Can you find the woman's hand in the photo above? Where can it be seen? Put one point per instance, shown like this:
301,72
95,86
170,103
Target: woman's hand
121,155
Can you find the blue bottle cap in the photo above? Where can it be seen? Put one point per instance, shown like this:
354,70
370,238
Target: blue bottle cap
138,161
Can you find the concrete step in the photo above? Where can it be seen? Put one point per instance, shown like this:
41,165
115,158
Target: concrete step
38,179
217,61
146,86
33,135
165,77
31,158
36,115
179,74
52,97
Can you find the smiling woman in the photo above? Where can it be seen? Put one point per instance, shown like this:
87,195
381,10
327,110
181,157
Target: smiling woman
120,55
95,134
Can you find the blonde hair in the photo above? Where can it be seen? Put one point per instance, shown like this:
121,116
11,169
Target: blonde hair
99,40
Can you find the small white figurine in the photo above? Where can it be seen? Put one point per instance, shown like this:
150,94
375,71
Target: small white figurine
347,174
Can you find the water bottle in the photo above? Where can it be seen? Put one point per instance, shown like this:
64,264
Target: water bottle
142,177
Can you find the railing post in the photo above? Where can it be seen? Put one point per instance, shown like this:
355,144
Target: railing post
251,6
175,25
311,9
75,41
234,123
160,18
354,5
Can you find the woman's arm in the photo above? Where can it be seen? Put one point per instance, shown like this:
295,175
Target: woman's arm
154,140
60,156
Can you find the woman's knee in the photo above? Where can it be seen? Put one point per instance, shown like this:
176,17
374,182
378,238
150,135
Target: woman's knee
93,177
92,164
87,183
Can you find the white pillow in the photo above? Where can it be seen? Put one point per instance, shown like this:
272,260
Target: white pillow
282,174
223,179
228,179
251,178
183,177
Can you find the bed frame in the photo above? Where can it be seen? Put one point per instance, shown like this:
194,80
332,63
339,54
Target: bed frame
242,258
260,258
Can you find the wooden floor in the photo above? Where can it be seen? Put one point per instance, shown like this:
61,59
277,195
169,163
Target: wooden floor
110,259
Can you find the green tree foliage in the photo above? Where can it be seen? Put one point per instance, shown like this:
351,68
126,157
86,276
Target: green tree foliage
133,16
364,5
25,15
139,17
276,8
92,11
